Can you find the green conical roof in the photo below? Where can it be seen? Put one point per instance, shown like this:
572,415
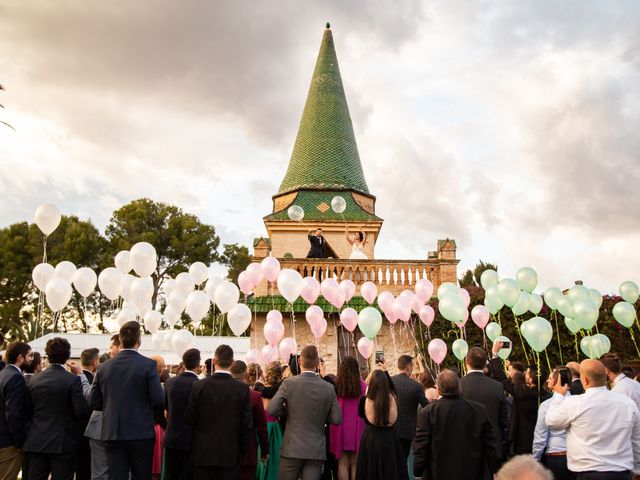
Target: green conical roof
325,154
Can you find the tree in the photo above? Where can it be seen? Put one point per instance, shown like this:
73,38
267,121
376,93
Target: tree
2,106
467,280
481,267
236,257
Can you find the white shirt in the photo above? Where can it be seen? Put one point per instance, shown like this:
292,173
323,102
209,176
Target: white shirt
626,386
545,439
603,430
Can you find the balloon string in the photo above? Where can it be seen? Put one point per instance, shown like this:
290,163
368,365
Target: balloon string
421,335
596,325
548,362
499,319
393,340
633,337
575,338
555,317
515,317
293,324
484,339
538,370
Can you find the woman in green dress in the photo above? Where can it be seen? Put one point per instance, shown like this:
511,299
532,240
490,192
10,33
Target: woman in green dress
272,381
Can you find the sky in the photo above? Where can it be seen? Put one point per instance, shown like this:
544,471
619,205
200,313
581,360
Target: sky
509,126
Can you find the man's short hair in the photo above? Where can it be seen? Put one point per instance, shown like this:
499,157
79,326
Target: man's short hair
404,362
309,358
15,349
519,366
613,362
238,369
223,356
130,334
115,339
191,359
448,383
58,350
88,356
574,368
518,466
477,358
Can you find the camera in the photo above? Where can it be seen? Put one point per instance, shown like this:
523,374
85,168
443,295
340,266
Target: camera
506,344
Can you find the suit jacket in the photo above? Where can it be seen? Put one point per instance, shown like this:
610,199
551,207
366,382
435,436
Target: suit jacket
90,376
310,404
220,412
410,395
127,389
576,387
317,248
476,386
177,391
259,434
13,407
58,408
454,439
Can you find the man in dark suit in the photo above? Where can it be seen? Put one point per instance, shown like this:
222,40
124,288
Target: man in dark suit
317,241
576,385
219,410
310,404
259,434
13,409
476,386
90,359
410,395
177,440
127,389
454,437
59,405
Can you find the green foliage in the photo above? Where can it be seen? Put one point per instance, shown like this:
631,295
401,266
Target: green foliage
467,280
236,258
481,267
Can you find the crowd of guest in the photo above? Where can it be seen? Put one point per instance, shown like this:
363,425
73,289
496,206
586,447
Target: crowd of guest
129,417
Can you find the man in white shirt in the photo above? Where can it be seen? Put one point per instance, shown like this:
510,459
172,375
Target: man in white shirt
620,383
603,428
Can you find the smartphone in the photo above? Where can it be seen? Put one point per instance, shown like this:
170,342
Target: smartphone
506,344
565,376
379,358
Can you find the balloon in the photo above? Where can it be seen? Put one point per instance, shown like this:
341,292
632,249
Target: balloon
314,314
551,297
629,291
110,282
504,353
239,319
268,354
185,283
66,270
172,315
274,316
290,284
58,293
464,295
596,297
492,301
338,204
508,291
245,283
47,218
126,315
447,288
319,328
310,290
157,340
577,292
177,301
624,313
122,262
288,347
254,270
489,277
391,316
460,348
338,299
273,332
437,350
522,305
480,315
143,259
538,333
493,330
210,287
125,287
348,288
168,337
295,213
349,319
424,290
426,315
369,292
85,281
416,304
571,325
168,286
270,268
197,305
141,291
535,303
42,273
199,272
401,309
252,356
595,346
585,313
385,301
365,347
369,321
564,306
527,279
329,288
152,321
226,296
181,341
452,307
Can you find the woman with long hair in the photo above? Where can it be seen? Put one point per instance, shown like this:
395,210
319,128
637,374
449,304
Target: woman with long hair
380,456
160,423
357,241
272,381
345,438
254,376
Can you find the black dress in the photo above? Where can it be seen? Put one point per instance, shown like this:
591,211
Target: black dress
381,456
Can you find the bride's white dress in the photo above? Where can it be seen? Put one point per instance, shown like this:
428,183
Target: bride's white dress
357,253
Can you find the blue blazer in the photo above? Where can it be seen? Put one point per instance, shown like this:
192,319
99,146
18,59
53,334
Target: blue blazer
13,408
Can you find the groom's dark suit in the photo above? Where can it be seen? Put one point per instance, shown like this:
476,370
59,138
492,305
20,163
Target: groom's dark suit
317,249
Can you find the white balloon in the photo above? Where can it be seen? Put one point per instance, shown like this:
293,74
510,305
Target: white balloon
197,305
177,301
141,291
184,283
181,341
226,296
157,340
125,286
110,283
296,213
47,218
58,293
66,270
85,281
338,204
289,284
42,273
239,319
171,315
211,286
152,321
122,261
111,324
199,272
168,336
142,310
126,315
143,259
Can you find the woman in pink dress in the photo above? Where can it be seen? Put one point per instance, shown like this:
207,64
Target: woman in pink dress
345,438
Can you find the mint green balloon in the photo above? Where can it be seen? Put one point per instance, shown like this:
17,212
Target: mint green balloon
596,297
571,325
493,331
585,346
452,307
601,342
460,349
538,333
535,303
522,305
624,313
595,346
565,307
527,279
629,291
551,296
585,313
493,303
576,292
504,353
369,322
508,291
489,277
447,288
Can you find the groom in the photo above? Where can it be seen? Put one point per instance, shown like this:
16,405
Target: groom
317,242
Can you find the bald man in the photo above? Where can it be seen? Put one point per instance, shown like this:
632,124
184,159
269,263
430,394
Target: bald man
603,428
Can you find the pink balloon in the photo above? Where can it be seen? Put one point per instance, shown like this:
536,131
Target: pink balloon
338,299
245,283
407,295
369,292
319,328
437,350
313,314
480,316
329,288
255,273
349,319
424,289
310,290
385,301
273,332
252,356
270,268
465,297
269,353
402,309
274,315
417,304
391,316
288,347
427,314
348,288
365,347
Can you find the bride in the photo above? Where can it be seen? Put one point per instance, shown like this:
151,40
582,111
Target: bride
357,242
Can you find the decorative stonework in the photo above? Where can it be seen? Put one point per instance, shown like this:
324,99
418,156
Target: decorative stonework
282,202
366,203
323,207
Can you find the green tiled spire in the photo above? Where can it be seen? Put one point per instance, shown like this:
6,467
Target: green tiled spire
325,154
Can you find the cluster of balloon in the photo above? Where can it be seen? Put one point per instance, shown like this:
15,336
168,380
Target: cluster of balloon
177,341
624,312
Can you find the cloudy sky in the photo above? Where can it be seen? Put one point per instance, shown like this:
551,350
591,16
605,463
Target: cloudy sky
509,126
